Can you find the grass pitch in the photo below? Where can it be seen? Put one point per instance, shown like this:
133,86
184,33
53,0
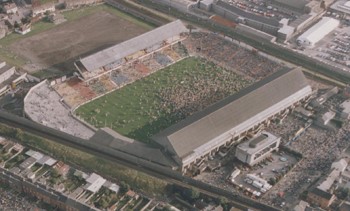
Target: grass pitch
145,107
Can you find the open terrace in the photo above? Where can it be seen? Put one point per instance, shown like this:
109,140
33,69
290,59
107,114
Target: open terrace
145,107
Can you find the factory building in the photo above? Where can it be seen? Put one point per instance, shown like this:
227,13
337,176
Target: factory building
297,5
258,148
342,6
317,32
223,124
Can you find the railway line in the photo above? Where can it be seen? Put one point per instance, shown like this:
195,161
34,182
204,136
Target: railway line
127,160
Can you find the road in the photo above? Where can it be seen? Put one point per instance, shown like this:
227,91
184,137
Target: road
127,160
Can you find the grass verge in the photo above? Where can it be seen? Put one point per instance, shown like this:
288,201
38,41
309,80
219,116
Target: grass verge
136,180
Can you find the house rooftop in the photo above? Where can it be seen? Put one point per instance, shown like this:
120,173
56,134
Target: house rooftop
34,154
322,193
94,182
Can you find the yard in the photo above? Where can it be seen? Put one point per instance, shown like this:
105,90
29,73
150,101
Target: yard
147,106
55,48
15,161
137,180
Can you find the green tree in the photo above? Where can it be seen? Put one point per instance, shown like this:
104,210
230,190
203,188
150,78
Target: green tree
16,25
191,194
55,173
19,158
103,202
124,187
222,200
272,181
190,28
342,193
167,208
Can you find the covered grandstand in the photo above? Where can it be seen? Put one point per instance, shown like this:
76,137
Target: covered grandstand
192,140
129,50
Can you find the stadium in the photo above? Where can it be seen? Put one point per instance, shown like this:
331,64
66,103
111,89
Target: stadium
177,96
228,121
130,50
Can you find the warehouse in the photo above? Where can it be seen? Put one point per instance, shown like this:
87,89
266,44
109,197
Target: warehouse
192,140
342,6
317,32
116,55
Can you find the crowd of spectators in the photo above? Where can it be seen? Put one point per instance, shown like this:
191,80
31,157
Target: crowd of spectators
229,55
319,147
199,89
44,105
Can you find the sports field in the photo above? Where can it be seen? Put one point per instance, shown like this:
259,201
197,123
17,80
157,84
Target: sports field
86,31
152,104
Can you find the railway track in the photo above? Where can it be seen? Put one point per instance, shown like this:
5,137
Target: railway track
127,160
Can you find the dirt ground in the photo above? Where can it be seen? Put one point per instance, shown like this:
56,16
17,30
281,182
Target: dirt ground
56,49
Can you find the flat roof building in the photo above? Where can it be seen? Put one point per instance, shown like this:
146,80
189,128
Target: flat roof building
342,6
46,160
345,109
229,120
94,183
256,149
36,155
317,32
298,5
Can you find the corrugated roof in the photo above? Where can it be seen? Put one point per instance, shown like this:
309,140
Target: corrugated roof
321,193
47,161
207,129
319,30
116,52
34,154
296,4
248,15
116,141
94,182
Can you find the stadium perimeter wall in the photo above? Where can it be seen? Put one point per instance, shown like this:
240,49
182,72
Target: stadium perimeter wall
137,12
25,100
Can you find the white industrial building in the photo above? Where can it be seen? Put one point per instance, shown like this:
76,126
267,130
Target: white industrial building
257,148
317,32
206,4
342,6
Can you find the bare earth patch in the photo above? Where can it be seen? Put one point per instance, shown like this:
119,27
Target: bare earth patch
59,47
